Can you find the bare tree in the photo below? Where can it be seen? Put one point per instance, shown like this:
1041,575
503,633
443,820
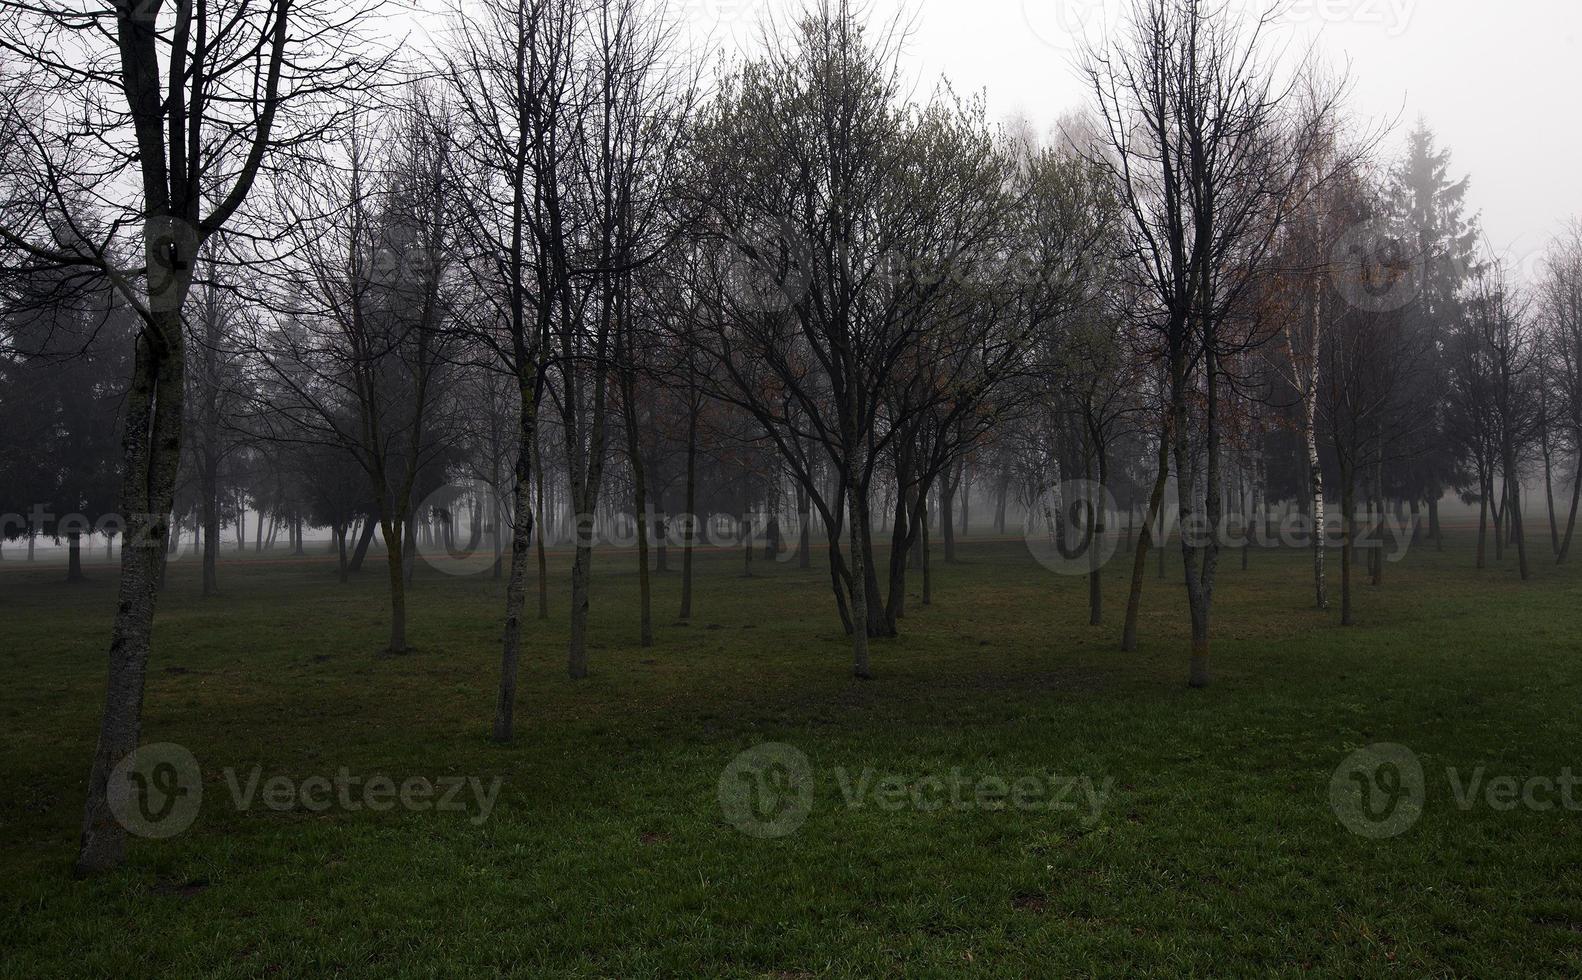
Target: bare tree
1206,164
358,351
1560,306
163,115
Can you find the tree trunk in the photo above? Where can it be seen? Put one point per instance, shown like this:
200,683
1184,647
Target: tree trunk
340,542
747,546
1377,557
1315,482
1348,509
394,553
1096,532
947,513
1200,560
1571,518
1145,540
690,530
1497,509
645,604
409,543
516,585
541,529
1549,484
1001,492
210,490
151,453
1246,517
581,572
1484,490
859,577
74,556
1514,488
363,540
804,557
966,497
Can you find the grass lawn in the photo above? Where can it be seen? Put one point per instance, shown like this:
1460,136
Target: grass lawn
1215,850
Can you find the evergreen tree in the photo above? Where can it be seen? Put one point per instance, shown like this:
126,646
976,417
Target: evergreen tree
1439,240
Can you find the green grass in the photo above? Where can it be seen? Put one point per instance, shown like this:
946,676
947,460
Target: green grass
608,854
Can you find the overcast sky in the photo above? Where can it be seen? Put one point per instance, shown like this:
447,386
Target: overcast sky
1496,81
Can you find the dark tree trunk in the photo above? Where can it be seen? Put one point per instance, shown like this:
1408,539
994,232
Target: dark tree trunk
1348,509
1571,517
1199,559
947,513
74,556
860,598
395,549
209,489
516,585
804,557
645,605
690,530
966,497
1145,540
1378,529
541,529
363,540
1096,531
1001,492
1514,508
151,453
1484,489
747,546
